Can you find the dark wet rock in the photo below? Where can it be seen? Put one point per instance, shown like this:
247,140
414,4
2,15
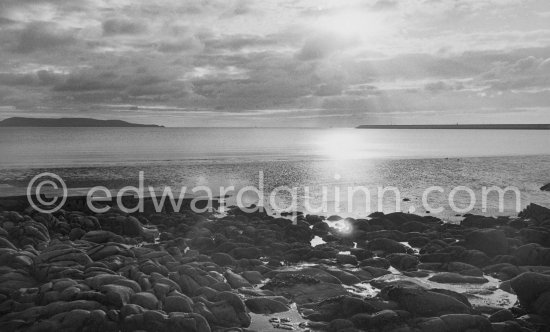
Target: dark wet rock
202,243
302,288
222,259
503,271
145,300
117,295
464,269
130,309
518,223
178,303
546,187
455,278
501,316
63,254
76,234
346,259
102,236
29,232
535,212
228,310
374,272
533,291
255,292
476,221
474,257
253,277
235,280
416,274
426,303
298,233
403,262
504,259
413,226
5,243
455,322
341,325
249,252
267,305
346,278
385,234
388,246
540,235
312,272
361,253
491,241
375,262
457,296
533,254
457,254
384,319
418,241
334,308
158,321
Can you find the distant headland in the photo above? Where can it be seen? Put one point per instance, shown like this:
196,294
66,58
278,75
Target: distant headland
461,126
68,122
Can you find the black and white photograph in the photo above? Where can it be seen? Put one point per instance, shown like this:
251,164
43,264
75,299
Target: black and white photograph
275,165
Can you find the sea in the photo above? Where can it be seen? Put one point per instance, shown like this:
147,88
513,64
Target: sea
344,171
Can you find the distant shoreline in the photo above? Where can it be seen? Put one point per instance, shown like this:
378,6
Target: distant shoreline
461,126
69,122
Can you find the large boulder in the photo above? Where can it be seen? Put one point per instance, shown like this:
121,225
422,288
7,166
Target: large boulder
303,289
334,308
456,322
226,309
388,246
145,300
403,262
425,303
455,278
533,254
235,280
222,259
476,221
533,291
491,241
157,321
535,212
267,305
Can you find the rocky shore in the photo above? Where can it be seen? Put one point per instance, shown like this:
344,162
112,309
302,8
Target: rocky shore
253,272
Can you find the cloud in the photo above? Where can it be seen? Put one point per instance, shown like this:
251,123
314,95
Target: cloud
40,77
530,73
240,42
443,86
328,89
322,45
248,57
42,36
113,27
384,5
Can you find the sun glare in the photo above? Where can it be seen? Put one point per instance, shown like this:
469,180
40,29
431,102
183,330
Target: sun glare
354,24
341,146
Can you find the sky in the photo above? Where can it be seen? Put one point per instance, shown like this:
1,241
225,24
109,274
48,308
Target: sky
280,63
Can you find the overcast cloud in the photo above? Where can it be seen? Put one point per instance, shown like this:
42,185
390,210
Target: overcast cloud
277,63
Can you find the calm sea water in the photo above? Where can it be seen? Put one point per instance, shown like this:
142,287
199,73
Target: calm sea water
410,160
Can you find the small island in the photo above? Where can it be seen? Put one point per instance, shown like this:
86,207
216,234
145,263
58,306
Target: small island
68,122
461,126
